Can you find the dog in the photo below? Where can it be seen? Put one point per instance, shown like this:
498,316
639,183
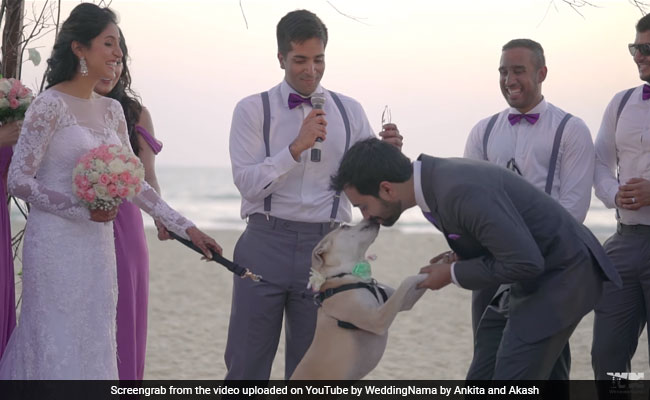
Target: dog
354,315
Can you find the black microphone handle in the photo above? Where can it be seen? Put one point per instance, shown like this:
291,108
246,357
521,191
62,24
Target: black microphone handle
315,151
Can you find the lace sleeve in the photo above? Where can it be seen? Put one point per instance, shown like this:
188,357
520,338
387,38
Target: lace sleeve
148,199
41,122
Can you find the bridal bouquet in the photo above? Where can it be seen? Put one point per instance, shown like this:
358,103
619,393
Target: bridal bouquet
14,100
106,175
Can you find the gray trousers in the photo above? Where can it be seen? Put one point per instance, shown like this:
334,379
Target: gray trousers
621,314
280,251
500,355
481,300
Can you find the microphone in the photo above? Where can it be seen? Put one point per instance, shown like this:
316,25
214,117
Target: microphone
317,101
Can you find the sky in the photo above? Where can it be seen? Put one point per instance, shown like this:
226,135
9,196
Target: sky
434,63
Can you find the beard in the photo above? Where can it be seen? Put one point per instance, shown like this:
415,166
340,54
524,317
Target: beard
393,210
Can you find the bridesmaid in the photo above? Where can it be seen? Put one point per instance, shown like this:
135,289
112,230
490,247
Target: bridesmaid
8,137
130,243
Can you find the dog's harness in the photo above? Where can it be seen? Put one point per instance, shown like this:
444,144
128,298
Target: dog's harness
372,286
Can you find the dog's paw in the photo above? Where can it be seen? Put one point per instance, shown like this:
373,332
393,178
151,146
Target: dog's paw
412,294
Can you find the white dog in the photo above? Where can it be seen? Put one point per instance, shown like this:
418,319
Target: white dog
354,315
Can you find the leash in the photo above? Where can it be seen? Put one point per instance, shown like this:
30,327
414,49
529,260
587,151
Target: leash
233,267
243,273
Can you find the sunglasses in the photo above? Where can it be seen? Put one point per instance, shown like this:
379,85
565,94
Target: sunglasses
512,166
643,48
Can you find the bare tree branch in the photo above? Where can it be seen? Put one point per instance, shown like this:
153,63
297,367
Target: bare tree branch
243,14
577,4
641,5
358,19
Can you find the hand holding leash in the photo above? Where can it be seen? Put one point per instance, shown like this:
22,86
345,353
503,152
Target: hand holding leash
216,257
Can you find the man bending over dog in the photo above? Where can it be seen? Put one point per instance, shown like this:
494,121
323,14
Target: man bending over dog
504,231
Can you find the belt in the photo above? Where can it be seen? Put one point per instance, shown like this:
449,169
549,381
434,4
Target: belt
632,229
291,226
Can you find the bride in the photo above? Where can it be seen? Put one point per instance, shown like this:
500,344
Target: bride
67,323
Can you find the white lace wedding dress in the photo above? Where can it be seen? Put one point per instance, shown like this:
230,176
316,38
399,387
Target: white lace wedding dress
67,321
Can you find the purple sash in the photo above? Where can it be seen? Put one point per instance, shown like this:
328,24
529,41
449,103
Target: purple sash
155,145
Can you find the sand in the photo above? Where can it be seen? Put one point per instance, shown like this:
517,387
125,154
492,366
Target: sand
190,299
189,308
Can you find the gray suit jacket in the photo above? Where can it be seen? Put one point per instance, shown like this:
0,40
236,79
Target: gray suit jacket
506,231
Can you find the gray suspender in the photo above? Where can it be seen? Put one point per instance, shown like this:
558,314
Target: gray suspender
346,122
554,153
488,130
266,129
624,100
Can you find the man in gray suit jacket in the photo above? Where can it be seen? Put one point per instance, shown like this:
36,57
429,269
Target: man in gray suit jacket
503,230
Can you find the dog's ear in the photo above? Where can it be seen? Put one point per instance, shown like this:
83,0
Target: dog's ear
321,248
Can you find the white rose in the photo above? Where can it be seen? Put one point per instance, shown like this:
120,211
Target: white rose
100,165
117,166
4,103
93,176
5,85
102,192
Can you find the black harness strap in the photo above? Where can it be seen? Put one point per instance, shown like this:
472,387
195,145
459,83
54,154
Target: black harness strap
321,296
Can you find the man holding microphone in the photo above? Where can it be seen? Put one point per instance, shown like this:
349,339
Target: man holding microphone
286,197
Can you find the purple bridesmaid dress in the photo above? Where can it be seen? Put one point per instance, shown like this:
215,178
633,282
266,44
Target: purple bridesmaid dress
133,283
7,297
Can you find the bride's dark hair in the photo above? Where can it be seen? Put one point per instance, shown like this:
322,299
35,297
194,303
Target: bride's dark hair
129,100
86,22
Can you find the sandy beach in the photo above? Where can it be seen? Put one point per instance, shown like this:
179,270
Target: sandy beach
189,308
190,304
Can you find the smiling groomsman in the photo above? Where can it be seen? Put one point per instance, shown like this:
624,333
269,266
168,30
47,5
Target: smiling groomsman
622,181
286,197
548,147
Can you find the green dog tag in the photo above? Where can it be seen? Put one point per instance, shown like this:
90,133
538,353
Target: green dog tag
362,270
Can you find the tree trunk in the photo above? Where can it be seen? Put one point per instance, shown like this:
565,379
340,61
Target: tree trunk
11,36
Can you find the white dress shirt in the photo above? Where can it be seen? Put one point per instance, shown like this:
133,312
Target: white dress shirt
631,141
301,189
531,147
421,202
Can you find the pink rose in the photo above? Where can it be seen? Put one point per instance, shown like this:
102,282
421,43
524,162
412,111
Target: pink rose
104,179
89,195
125,177
13,103
77,180
115,177
23,92
123,192
112,190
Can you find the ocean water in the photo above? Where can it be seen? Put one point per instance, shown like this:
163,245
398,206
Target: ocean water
208,196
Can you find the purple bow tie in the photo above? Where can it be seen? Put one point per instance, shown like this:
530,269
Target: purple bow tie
646,92
296,100
515,118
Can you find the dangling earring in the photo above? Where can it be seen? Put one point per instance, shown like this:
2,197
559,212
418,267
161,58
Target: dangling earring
83,67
